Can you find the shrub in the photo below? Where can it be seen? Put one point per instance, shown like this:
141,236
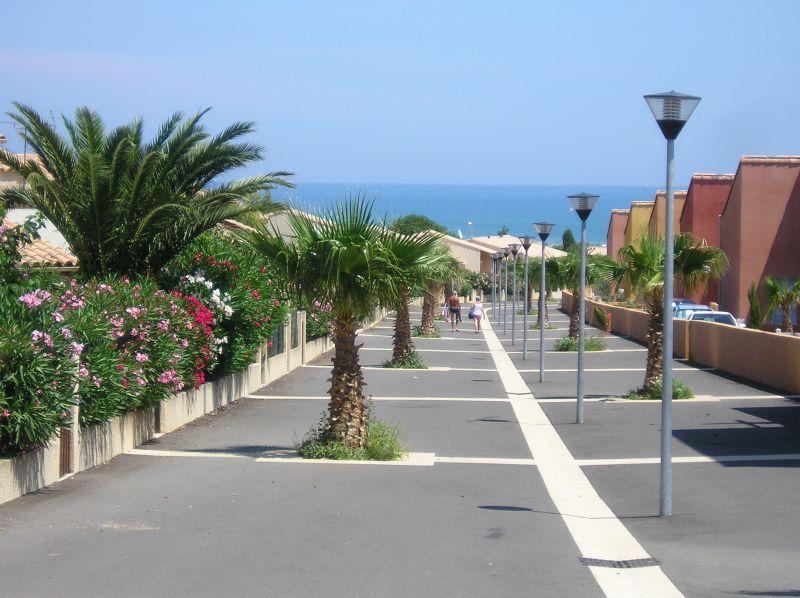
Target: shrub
230,279
433,333
412,362
590,343
319,319
679,391
381,444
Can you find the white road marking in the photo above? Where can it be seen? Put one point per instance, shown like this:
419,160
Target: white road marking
416,338
593,525
484,460
433,399
434,368
536,350
617,370
693,459
198,454
424,350
288,456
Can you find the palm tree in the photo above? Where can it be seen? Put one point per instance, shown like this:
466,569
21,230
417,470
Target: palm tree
642,263
127,207
568,270
410,281
438,272
783,294
348,259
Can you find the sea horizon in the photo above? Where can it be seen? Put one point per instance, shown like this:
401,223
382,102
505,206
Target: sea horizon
487,207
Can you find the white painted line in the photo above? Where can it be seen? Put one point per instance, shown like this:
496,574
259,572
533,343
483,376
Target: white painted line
585,400
428,369
425,350
432,399
198,454
484,460
693,459
416,338
413,459
742,397
593,525
616,370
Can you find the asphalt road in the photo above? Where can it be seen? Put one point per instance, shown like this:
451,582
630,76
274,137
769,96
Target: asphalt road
196,512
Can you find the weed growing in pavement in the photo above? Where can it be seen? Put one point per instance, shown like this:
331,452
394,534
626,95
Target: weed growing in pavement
382,443
412,362
679,391
434,333
591,343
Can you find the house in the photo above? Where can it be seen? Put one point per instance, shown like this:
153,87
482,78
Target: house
705,201
638,220
657,224
615,237
760,228
44,254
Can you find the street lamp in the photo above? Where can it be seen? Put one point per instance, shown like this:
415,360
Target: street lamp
543,229
671,111
583,204
527,241
506,251
496,256
514,247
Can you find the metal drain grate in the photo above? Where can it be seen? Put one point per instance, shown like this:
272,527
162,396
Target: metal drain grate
629,564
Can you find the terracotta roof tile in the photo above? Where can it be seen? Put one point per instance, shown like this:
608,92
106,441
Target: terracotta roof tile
770,160
44,253
707,176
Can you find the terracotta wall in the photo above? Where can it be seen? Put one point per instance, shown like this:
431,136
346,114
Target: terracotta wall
760,227
762,357
615,238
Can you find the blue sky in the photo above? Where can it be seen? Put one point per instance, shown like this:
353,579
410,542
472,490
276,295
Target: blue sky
427,91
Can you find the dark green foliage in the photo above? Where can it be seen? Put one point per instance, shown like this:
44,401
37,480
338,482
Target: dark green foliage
568,242
412,362
680,391
755,317
416,223
590,343
504,230
126,206
382,444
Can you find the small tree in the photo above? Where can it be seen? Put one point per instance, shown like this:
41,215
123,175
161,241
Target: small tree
503,230
782,294
416,223
568,242
755,317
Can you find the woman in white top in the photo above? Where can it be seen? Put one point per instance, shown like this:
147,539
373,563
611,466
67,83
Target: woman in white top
476,313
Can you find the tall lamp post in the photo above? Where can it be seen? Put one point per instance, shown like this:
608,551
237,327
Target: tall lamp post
583,204
671,111
495,267
514,247
506,251
543,229
526,241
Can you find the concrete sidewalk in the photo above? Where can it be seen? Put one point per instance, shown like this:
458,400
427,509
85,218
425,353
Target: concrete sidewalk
506,496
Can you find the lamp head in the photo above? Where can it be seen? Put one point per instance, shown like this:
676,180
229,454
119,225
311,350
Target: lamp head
671,110
506,251
526,241
583,204
514,248
543,229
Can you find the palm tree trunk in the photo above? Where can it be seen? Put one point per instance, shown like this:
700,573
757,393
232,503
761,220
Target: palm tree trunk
347,420
402,330
787,318
574,315
655,346
429,305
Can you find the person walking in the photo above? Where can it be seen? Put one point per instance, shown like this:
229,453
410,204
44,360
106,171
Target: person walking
476,314
455,311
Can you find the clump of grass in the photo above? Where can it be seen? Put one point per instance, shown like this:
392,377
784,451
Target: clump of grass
412,362
590,343
382,444
679,391
548,327
433,333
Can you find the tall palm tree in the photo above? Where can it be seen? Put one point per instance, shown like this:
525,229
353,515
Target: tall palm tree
438,271
783,294
356,264
410,281
126,206
642,264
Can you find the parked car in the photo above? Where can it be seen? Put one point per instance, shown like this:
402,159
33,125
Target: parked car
720,317
677,301
684,310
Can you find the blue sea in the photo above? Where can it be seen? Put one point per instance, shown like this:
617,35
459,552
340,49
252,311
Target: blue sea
487,207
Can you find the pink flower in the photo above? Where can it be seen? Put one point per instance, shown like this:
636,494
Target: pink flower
97,381
83,372
77,348
34,298
134,312
141,381
167,376
66,333
142,357
163,325
184,343
116,322
58,317
6,413
276,303
256,295
37,335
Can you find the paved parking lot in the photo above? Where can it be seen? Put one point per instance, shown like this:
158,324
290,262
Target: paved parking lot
506,498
